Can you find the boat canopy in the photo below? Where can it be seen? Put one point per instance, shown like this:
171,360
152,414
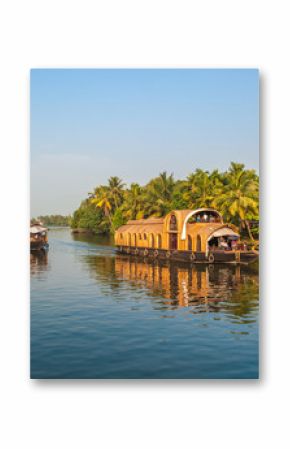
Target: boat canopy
36,229
224,232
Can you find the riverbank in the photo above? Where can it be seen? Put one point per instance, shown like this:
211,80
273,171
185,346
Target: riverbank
89,232
234,193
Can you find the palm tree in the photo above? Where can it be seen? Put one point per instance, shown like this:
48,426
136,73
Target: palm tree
116,186
201,188
134,202
235,193
217,184
159,194
165,185
239,200
102,199
198,189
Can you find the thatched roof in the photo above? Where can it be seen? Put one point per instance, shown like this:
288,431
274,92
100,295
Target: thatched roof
151,220
141,226
157,225
36,228
206,229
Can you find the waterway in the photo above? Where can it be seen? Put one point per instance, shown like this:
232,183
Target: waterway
98,315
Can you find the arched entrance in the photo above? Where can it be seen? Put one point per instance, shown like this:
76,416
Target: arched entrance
203,215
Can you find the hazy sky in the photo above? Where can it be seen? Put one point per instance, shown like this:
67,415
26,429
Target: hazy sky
88,125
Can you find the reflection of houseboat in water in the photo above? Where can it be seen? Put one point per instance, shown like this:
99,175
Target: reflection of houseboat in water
38,237
184,235
182,284
38,262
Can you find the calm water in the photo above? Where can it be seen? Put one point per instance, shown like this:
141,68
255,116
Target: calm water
98,315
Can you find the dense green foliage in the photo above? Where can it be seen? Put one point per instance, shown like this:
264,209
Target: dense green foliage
53,220
87,216
235,193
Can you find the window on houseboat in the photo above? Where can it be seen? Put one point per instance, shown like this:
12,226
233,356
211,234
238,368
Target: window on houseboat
159,241
145,236
198,243
205,217
189,243
121,236
173,223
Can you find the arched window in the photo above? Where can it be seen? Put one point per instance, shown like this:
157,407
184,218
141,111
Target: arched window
173,223
159,241
134,240
140,236
189,243
151,241
145,236
121,236
129,239
198,243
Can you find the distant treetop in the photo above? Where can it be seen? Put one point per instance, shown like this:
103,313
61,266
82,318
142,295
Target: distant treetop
53,220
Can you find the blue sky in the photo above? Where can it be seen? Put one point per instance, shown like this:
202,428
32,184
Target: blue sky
88,125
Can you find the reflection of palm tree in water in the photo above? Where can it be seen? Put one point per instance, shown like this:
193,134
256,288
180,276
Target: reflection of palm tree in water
232,289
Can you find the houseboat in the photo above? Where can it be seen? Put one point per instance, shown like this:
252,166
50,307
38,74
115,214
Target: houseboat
38,237
198,236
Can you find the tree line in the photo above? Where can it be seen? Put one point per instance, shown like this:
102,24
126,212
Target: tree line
235,193
53,220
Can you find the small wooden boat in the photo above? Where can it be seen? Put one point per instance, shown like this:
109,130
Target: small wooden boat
38,237
198,236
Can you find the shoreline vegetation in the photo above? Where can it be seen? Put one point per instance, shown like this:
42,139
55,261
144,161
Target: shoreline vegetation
53,220
235,193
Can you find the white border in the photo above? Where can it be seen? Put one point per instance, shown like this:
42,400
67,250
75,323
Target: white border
148,34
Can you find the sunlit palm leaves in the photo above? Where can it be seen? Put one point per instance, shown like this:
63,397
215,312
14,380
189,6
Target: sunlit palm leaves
235,193
239,199
133,206
159,195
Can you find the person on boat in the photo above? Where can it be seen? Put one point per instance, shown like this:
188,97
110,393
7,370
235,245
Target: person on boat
244,246
234,245
223,244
